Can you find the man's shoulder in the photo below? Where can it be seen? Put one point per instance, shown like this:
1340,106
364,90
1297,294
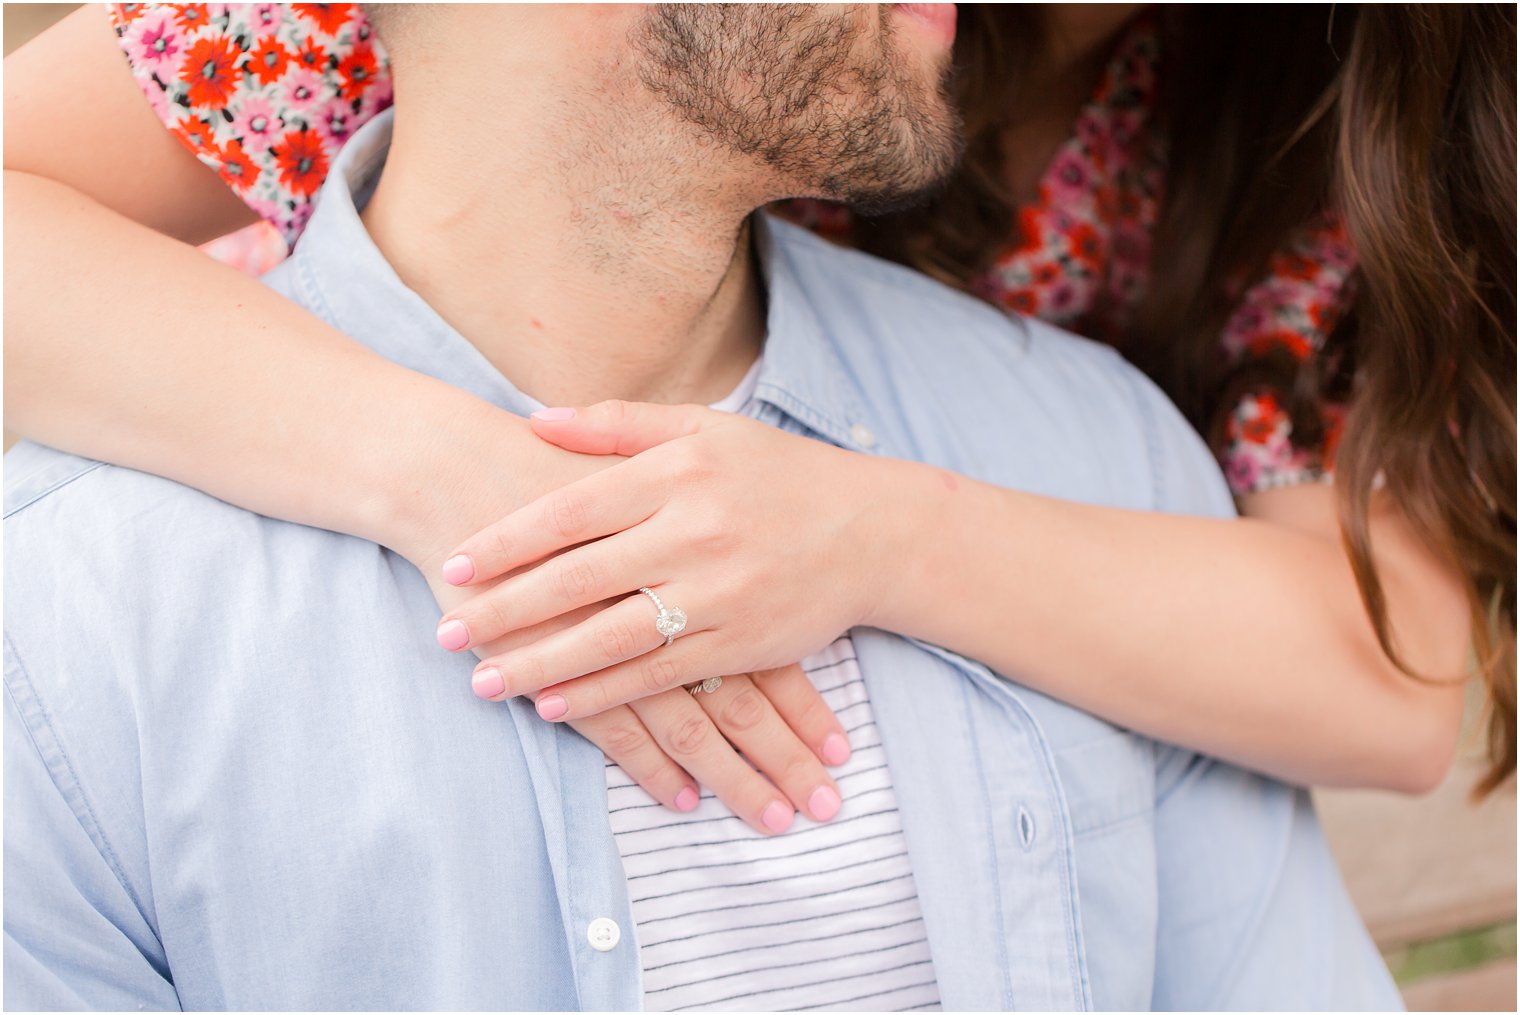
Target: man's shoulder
79,531
1012,400
899,302
46,488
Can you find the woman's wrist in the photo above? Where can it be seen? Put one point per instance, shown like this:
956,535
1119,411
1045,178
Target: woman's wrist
904,505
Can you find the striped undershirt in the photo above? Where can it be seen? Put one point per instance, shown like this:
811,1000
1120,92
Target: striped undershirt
823,917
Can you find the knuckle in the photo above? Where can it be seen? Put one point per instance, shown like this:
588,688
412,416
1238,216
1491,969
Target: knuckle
577,580
525,673
614,411
659,674
567,515
497,545
618,642
798,768
624,738
494,618
744,710
691,735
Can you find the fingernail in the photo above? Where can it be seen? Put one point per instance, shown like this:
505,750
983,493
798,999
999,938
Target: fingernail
552,707
777,816
453,636
458,569
687,799
824,803
554,415
487,682
836,750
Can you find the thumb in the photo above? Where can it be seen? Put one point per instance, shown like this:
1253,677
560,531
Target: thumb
620,428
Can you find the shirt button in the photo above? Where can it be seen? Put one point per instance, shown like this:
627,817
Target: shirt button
862,435
604,934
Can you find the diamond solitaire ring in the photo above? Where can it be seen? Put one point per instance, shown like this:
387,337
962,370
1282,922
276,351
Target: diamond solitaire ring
671,620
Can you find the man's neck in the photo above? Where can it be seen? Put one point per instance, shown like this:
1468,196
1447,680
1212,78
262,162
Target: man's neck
584,254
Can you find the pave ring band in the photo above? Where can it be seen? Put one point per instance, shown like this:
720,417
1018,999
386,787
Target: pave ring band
671,620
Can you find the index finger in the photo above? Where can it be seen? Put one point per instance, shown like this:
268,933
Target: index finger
599,505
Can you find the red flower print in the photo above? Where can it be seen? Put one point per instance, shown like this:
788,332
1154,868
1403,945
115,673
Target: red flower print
191,16
198,135
312,56
358,72
1296,344
1020,301
211,73
1295,265
1086,244
268,62
302,161
329,18
1030,234
237,169
128,13
1259,429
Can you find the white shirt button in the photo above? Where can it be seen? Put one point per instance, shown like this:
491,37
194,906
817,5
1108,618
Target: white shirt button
862,435
604,934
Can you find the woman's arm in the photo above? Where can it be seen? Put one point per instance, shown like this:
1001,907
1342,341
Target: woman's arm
125,343
1245,639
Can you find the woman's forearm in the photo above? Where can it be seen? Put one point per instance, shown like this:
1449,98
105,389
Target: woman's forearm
1244,639
127,346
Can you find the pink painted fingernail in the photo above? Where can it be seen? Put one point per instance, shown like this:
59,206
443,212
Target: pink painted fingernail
554,415
824,803
836,750
458,569
687,799
777,816
487,682
552,707
453,636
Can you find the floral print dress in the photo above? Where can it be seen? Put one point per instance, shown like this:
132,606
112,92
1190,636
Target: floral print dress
265,94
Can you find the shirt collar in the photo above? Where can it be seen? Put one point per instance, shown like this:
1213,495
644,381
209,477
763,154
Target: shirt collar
348,281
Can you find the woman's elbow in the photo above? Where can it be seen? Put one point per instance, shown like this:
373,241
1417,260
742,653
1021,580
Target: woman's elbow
1419,756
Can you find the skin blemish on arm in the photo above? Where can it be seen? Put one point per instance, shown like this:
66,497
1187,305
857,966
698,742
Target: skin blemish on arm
536,323
951,483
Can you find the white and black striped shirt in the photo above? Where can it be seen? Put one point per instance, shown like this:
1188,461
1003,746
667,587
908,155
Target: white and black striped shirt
825,916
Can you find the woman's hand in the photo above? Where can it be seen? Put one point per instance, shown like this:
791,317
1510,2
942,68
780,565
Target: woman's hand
769,542
777,718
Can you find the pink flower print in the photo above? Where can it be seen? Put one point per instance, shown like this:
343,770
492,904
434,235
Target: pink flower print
256,124
265,20
303,90
1069,179
1125,125
1065,300
335,122
156,45
1242,468
264,208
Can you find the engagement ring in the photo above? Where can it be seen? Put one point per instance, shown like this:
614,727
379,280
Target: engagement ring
671,620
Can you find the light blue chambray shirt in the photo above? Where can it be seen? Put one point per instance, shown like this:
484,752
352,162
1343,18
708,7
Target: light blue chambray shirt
240,773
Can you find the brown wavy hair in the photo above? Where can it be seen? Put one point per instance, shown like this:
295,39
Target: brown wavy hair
1402,119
